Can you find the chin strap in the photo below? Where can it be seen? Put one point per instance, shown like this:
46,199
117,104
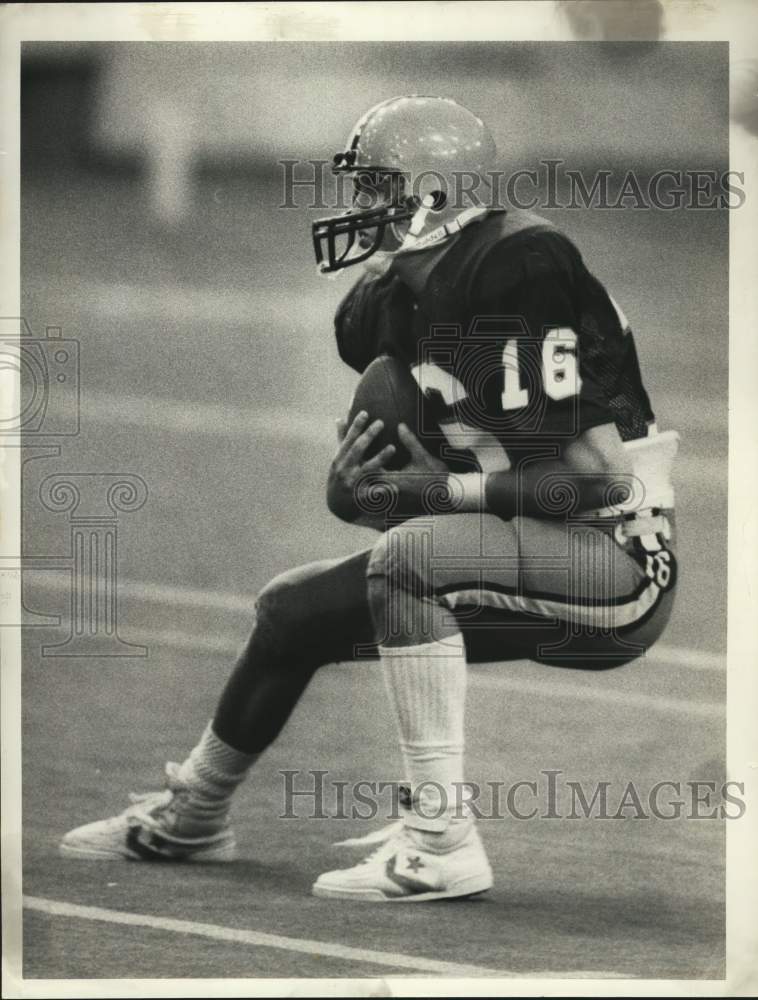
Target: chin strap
413,242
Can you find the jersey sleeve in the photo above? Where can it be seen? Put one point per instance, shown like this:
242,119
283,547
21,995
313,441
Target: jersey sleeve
373,319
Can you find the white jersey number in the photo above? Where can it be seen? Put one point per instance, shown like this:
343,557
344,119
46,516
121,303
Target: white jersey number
560,378
489,453
560,375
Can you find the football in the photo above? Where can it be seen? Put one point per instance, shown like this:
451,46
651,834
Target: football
388,391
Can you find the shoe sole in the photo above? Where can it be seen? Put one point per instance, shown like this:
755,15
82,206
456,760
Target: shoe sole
473,886
216,855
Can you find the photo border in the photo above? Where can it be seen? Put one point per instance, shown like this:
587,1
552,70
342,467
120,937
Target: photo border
728,20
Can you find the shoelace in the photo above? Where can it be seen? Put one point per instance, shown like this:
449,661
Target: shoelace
385,850
147,803
375,837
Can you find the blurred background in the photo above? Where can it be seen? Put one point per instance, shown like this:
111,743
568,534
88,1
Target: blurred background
152,233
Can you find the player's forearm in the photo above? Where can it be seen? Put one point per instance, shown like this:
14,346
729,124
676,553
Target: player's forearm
368,502
347,505
540,489
380,495
594,471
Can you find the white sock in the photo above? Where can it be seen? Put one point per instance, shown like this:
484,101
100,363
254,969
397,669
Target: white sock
213,771
427,689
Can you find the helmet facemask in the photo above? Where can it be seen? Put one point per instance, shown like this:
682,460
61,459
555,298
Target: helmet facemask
377,220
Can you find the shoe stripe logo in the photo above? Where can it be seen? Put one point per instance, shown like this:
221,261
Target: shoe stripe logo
413,885
154,848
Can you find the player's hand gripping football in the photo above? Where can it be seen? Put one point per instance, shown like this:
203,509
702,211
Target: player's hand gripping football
351,472
350,466
421,485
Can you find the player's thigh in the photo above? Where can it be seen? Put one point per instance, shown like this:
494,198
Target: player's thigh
575,562
463,553
568,594
320,609
612,595
444,551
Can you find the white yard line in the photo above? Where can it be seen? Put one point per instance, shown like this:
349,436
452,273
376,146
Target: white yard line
218,645
490,682
259,939
152,413
187,417
596,694
201,305
215,306
218,600
694,659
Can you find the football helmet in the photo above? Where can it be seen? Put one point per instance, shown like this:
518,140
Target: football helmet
409,158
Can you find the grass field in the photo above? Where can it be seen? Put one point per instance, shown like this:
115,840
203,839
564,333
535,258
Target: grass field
192,349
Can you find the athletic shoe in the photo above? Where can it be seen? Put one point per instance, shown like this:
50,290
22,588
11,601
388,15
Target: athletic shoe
407,868
158,826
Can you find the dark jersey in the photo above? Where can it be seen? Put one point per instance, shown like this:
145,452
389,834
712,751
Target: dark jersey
511,338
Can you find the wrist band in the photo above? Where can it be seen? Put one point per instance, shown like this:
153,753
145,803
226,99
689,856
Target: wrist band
469,487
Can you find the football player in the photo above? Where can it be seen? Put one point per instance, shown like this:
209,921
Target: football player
534,518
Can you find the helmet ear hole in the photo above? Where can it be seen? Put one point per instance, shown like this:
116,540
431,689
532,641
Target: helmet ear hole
434,201
438,200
